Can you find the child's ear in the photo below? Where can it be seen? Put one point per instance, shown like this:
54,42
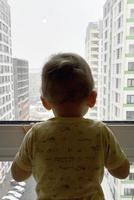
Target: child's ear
92,99
45,103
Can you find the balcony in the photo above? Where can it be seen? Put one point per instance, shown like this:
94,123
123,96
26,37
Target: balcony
129,88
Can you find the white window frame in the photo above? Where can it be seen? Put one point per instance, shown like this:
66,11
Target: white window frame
11,136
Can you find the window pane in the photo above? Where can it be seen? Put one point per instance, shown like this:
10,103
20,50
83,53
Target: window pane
9,187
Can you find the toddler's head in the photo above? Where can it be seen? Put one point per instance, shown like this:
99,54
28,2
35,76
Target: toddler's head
66,77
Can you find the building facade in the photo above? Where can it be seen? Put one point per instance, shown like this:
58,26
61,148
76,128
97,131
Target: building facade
21,89
93,52
118,60
118,78
6,72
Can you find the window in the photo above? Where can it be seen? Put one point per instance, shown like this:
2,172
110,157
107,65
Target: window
130,115
132,13
118,68
117,111
130,66
128,192
105,68
105,34
119,53
119,7
94,63
118,38
96,35
130,99
131,176
105,46
130,82
119,23
117,83
117,97
55,30
105,57
131,48
94,49
106,22
95,42
131,31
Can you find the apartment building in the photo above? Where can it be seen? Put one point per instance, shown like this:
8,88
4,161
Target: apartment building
21,89
118,77
93,52
6,73
118,60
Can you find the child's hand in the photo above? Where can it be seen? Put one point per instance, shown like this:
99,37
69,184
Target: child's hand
26,128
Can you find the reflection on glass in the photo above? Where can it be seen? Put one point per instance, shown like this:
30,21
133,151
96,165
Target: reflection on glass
114,189
9,187
119,189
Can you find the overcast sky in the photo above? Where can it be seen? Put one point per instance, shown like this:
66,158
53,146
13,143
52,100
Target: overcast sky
43,27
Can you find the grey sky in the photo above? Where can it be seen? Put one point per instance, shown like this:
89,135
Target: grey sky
43,27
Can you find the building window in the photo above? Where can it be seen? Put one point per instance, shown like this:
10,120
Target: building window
106,22
131,176
117,111
119,7
105,46
130,82
118,68
105,34
130,115
130,99
105,57
132,13
95,42
104,79
94,49
119,38
119,53
131,30
128,191
94,63
130,66
105,68
131,48
119,23
117,83
117,97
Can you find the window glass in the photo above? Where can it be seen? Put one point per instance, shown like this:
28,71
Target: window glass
132,13
130,66
30,31
131,30
130,82
131,48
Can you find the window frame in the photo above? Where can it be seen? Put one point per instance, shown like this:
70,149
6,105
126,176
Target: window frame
12,133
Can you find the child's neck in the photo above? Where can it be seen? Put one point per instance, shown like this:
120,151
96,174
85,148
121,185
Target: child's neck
73,109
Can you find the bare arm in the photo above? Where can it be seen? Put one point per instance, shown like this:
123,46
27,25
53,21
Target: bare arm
122,171
19,174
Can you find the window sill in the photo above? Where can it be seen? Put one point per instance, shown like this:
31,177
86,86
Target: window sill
12,133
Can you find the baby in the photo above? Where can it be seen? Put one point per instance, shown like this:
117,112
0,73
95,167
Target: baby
67,154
